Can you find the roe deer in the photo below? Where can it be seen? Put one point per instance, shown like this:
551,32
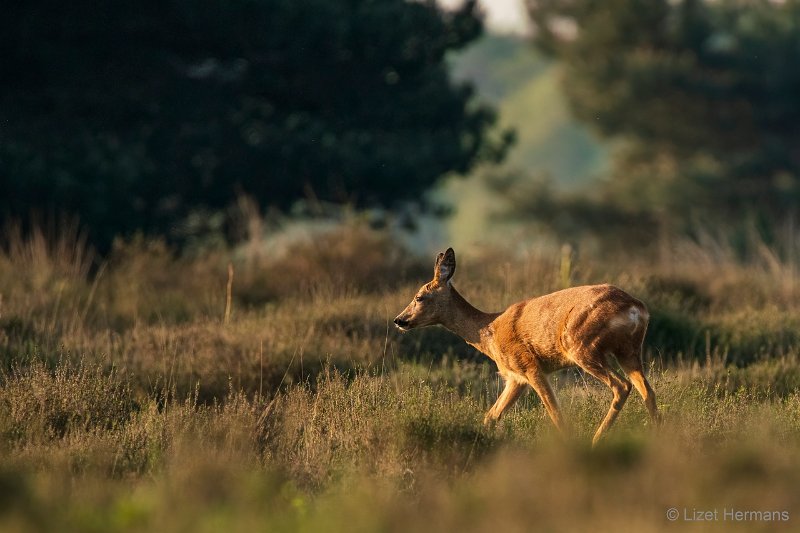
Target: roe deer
580,326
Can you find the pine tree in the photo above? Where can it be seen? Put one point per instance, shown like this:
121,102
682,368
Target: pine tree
702,99
133,113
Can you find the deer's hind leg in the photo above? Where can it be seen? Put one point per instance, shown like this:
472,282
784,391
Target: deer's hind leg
632,365
619,386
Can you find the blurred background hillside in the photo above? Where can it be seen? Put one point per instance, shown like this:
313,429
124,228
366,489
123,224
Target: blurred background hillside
550,146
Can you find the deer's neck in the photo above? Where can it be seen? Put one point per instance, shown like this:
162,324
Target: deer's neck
469,323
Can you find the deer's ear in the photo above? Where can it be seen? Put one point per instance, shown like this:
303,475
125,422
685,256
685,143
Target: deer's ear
445,266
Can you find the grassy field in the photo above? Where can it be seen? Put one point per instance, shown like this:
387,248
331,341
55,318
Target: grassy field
135,397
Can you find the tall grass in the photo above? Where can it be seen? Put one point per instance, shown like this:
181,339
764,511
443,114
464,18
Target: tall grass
128,403
385,451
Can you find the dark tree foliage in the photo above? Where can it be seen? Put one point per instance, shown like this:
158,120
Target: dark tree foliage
132,113
704,97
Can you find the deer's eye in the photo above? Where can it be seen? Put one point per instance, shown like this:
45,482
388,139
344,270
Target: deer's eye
419,298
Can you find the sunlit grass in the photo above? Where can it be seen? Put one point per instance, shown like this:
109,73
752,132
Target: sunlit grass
127,402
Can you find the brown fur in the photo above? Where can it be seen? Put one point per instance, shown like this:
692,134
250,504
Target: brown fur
580,326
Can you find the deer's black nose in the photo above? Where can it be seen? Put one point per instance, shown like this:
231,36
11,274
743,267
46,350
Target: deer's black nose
401,322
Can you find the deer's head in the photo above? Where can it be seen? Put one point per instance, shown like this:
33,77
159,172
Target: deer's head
433,300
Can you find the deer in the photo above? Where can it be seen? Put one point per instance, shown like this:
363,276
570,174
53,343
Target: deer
581,327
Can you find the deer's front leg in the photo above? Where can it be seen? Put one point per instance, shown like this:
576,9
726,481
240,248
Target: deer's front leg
505,400
541,385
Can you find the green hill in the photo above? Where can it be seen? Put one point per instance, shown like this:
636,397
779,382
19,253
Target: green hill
525,88
510,73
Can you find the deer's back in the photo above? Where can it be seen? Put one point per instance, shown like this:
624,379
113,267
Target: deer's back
548,329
